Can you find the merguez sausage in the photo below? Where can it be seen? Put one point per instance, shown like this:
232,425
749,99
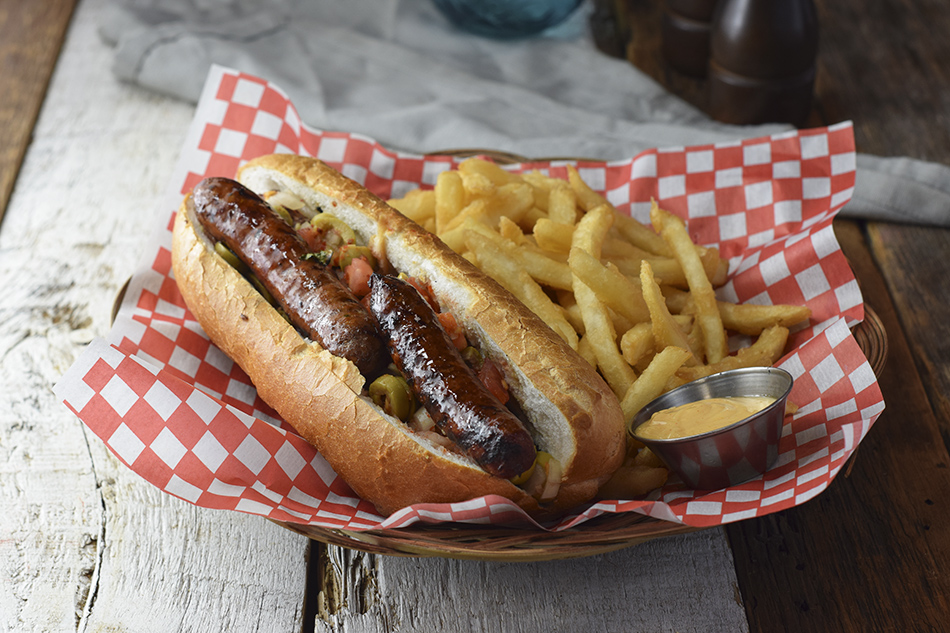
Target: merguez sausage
446,386
311,294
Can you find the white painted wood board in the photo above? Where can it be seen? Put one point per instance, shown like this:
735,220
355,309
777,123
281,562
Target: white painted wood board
86,545
679,584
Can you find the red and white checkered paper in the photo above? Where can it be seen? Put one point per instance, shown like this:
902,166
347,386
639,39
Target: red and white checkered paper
179,413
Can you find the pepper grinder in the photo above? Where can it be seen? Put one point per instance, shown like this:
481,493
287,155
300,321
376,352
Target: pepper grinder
763,61
684,29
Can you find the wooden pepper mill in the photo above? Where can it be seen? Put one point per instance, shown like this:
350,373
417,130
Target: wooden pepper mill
762,61
685,27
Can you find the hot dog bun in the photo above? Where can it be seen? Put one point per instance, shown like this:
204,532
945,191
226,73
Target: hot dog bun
572,413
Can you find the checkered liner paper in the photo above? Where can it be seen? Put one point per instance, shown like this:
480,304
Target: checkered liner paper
179,413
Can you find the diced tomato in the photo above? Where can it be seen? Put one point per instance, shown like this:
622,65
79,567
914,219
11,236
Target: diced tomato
321,238
314,239
425,291
494,380
452,328
357,276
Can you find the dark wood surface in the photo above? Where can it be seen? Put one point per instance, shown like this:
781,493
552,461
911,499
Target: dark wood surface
31,35
872,553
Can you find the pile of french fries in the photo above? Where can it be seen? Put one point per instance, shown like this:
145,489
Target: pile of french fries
637,302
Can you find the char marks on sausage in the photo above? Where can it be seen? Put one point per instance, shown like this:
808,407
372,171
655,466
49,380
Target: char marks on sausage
310,293
446,386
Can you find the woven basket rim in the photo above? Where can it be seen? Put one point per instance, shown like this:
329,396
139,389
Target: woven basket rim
605,533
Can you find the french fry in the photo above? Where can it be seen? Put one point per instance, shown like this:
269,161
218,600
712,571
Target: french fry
642,236
546,270
637,342
586,351
621,323
646,457
666,331
745,318
511,231
553,236
635,480
477,184
494,259
542,186
674,233
652,382
488,169
455,238
693,329
556,236
615,289
713,265
541,268
587,198
532,244
479,209
751,319
666,270
721,275
418,205
540,199
562,205
449,198
572,311
531,217
514,200
589,235
763,352
591,231
621,249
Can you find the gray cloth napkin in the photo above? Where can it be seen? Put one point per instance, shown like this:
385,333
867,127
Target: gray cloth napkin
397,71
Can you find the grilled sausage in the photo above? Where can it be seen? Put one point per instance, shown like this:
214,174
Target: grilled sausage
451,392
310,293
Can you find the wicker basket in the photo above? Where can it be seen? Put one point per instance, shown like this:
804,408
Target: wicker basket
454,540
605,533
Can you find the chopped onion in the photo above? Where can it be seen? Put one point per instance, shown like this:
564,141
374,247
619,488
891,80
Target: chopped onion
286,200
437,439
421,421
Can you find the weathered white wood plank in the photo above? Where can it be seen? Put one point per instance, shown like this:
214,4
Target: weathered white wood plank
84,543
681,584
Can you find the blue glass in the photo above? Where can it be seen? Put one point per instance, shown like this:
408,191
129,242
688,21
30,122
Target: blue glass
506,19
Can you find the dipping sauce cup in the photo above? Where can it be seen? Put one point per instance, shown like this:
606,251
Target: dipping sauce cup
733,454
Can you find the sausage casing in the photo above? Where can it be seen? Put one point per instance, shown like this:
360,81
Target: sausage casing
310,293
451,392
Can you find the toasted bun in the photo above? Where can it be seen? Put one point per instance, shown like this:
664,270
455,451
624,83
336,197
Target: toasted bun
572,413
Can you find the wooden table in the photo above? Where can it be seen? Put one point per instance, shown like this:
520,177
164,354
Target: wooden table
868,554
871,553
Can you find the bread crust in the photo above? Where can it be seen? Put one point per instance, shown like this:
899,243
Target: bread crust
318,394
